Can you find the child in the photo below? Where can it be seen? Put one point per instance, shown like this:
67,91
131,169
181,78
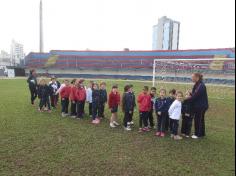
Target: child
132,92
150,114
73,98
95,103
81,97
33,85
65,94
54,85
114,102
89,98
144,101
103,100
187,117
161,108
175,114
170,100
43,94
128,104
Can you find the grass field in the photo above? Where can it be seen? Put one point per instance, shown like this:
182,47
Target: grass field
33,143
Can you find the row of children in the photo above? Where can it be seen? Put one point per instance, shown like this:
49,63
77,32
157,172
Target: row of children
167,109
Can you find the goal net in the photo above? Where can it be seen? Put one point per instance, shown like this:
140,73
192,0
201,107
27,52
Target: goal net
218,73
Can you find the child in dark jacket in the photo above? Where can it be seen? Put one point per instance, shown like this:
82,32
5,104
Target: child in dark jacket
114,102
144,101
187,116
150,114
95,103
170,100
54,86
103,100
128,105
43,94
65,94
161,108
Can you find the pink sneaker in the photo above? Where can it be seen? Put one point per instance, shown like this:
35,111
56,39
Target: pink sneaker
94,122
97,121
162,135
146,129
157,134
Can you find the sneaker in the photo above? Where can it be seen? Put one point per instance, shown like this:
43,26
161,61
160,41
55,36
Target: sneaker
115,123
63,114
172,136
146,129
194,137
97,121
73,116
39,110
127,128
162,135
112,125
177,137
184,135
128,123
94,122
158,134
131,123
140,130
187,136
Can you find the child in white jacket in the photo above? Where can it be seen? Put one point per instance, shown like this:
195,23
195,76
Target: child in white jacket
89,98
175,115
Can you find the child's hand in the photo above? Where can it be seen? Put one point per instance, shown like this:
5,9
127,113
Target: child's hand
130,112
63,98
159,113
73,102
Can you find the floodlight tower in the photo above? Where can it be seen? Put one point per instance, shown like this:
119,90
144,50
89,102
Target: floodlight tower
41,27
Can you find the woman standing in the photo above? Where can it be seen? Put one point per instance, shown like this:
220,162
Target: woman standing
200,105
32,81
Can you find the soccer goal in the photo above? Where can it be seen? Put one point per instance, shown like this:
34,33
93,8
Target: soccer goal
218,72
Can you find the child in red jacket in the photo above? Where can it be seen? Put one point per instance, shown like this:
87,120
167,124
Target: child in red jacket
65,94
73,98
114,102
81,97
144,101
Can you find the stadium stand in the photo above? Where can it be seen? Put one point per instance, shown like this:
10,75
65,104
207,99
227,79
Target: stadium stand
127,64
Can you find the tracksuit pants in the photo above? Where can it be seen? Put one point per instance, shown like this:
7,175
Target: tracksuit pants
33,94
101,110
127,118
54,100
161,122
80,109
73,108
90,109
186,125
143,119
150,118
174,126
64,105
44,102
95,109
199,122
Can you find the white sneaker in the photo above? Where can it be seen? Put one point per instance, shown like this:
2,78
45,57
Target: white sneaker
115,123
194,137
63,114
127,128
131,123
112,125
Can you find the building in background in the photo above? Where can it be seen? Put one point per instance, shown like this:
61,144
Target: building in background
5,59
17,54
166,34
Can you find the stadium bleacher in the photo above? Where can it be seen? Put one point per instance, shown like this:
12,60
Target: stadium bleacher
127,61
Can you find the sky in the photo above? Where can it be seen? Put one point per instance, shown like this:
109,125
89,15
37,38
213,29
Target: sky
115,24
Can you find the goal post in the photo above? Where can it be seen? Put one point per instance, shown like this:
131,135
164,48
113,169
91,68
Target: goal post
216,70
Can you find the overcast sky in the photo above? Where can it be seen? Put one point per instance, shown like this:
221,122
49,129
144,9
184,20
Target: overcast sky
115,24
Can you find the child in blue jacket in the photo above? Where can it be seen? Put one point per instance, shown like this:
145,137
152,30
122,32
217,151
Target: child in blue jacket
161,107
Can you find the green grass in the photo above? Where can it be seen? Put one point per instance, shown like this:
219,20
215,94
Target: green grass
33,143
